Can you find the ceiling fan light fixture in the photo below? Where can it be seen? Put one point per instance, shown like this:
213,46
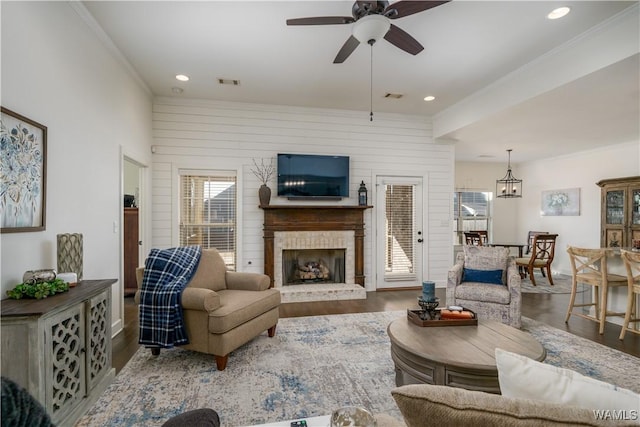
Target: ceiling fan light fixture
371,27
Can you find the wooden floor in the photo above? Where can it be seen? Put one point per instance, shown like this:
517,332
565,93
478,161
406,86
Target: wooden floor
547,308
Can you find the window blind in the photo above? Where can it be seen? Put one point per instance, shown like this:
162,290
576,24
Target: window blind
208,212
400,230
471,212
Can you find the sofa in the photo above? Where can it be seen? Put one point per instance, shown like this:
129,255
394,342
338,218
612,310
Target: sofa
533,394
224,309
434,405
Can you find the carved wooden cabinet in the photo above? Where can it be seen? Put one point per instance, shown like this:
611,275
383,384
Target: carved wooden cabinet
59,348
620,216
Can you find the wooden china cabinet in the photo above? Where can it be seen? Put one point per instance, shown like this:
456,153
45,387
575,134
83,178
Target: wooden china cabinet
620,211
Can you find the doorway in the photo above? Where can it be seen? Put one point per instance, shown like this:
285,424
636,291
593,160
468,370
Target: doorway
399,236
131,227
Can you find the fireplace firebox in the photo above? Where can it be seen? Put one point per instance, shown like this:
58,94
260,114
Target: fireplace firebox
307,266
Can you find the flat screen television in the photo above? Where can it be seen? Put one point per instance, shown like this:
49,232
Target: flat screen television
313,176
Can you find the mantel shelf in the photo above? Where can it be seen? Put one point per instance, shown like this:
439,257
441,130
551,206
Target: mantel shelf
314,207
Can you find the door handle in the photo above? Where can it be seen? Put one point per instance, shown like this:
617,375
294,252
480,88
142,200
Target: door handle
419,240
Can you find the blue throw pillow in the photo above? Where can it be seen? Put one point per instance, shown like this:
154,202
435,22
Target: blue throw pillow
482,276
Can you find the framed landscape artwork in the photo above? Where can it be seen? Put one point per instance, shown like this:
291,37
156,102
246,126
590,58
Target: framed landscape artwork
23,161
564,202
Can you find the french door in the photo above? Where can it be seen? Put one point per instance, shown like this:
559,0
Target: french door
399,236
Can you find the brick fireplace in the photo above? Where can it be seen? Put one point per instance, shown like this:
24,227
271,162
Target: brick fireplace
310,229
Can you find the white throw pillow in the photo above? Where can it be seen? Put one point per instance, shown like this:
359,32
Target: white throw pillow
524,378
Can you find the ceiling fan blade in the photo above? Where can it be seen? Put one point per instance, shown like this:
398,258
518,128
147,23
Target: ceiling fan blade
347,49
400,38
321,20
407,7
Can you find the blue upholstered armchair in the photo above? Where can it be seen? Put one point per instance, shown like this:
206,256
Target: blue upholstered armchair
486,280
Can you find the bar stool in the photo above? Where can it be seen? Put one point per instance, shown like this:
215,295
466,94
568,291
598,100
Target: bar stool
589,267
632,264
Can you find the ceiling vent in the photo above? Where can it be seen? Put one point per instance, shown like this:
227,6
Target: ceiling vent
393,95
232,82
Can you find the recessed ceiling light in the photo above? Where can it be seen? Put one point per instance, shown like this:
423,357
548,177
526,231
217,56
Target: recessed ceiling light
182,78
559,12
429,98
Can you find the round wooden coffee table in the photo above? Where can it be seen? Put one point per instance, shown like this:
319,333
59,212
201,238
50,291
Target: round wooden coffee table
456,356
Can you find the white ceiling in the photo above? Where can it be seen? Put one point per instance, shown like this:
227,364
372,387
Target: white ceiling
468,46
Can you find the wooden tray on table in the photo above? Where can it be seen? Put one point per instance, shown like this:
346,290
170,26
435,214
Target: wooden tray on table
414,316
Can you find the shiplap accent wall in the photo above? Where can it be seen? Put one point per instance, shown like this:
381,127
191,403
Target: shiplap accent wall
198,134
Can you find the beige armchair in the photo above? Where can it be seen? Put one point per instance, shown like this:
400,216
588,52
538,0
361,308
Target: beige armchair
224,309
490,287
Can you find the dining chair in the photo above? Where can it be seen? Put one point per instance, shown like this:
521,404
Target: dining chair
589,267
632,264
472,239
484,236
530,236
542,253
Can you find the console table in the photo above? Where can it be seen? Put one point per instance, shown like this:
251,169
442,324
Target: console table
59,348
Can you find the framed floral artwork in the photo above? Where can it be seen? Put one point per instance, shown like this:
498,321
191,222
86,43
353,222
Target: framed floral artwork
23,173
560,202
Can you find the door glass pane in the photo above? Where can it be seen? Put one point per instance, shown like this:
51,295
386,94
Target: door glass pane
615,207
635,217
400,231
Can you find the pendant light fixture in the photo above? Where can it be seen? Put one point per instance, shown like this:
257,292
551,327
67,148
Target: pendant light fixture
509,186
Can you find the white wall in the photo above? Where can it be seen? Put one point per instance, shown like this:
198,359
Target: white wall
580,170
56,72
477,176
130,179
513,218
224,135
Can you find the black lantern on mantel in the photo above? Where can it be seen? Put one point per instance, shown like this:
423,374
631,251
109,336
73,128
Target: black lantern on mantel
362,195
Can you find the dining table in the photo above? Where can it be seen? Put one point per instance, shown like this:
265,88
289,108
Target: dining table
519,246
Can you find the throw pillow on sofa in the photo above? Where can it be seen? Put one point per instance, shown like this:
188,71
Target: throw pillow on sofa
435,405
524,378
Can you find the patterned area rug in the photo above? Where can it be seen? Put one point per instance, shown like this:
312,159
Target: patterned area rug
312,365
561,285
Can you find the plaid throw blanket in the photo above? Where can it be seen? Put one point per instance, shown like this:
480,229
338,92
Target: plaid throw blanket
166,273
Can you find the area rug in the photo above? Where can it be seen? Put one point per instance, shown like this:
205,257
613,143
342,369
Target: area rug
312,366
561,284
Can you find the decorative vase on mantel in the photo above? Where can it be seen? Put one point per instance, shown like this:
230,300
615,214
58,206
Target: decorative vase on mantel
264,194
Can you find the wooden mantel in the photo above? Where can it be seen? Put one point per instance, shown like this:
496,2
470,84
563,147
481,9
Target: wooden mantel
314,218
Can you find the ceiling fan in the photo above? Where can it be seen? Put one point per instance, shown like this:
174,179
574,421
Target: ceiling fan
371,22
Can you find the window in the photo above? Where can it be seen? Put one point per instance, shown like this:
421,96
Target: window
208,212
471,211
